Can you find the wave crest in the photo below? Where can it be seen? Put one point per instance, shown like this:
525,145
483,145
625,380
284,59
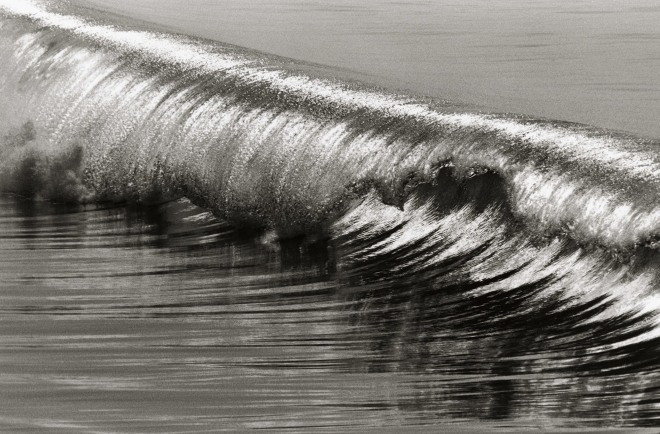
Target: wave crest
112,113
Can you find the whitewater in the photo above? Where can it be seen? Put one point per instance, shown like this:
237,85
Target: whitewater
249,135
483,224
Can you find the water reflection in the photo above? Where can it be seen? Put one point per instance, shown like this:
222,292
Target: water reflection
165,319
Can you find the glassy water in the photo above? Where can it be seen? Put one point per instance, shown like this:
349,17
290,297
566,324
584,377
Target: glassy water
594,62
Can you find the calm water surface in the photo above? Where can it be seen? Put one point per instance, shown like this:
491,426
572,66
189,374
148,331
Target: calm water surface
594,62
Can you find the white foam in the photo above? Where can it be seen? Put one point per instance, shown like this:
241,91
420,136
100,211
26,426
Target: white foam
184,54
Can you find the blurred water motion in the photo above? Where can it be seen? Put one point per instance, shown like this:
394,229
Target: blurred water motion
426,265
164,319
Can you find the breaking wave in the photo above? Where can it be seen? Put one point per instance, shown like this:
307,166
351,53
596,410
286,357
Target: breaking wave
540,236
97,111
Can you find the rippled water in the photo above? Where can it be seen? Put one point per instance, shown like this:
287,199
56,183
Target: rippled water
165,319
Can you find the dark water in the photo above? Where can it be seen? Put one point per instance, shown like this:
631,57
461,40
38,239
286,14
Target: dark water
196,236
165,319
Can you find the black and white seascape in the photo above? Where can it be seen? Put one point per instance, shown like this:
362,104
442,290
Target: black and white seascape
198,237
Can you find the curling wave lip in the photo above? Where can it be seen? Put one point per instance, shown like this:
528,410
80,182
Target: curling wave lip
303,141
602,149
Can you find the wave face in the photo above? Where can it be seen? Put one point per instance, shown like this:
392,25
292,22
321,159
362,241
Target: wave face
97,111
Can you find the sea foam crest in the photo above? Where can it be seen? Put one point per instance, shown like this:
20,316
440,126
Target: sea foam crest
139,114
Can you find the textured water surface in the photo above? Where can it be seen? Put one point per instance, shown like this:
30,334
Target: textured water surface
196,236
165,319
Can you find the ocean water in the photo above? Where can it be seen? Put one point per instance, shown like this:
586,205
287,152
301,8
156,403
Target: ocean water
590,61
197,236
